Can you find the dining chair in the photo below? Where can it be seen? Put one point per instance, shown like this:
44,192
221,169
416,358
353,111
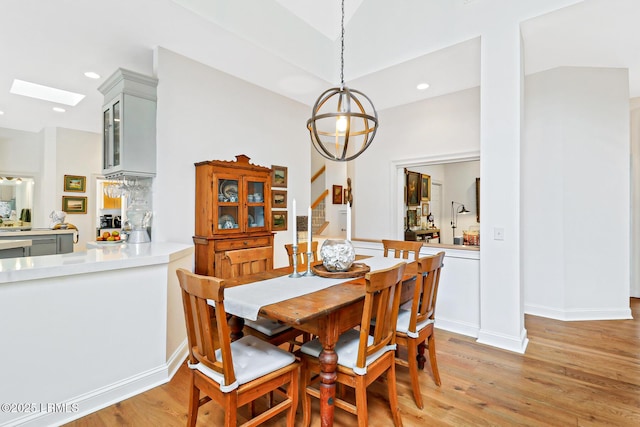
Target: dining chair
226,371
362,358
302,252
256,260
402,249
414,327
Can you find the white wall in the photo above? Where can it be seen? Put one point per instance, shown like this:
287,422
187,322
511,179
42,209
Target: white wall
205,114
575,194
635,197
436,127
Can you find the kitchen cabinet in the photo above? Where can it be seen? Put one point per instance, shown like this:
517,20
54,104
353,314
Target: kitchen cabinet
129,125
233,211
44,242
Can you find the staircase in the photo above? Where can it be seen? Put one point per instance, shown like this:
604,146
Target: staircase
319,195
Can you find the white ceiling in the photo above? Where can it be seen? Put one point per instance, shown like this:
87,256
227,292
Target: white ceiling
291,47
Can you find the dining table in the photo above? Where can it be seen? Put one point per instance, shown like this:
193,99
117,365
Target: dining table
322,306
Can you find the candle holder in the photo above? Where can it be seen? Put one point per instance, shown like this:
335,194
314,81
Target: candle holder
295,274
309,273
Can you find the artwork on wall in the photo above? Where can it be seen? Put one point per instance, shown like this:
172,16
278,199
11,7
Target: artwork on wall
74,205
337,194
411,218
425,187
279,199
279,176
413,188
75,183
279,220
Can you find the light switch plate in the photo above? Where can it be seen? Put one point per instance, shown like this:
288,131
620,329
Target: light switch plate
498,233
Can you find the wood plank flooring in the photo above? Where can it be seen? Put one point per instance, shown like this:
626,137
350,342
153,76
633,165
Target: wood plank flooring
573,374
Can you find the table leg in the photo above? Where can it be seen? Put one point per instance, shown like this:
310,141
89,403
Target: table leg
328,364
236,324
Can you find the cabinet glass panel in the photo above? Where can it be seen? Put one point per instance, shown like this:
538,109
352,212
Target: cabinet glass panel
116,133
106,123
228,191
256,216
255,192
228,217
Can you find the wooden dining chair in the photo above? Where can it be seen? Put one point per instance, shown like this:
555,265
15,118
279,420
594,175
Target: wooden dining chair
414,327
402,249
302,252
225,371
362,358
256,260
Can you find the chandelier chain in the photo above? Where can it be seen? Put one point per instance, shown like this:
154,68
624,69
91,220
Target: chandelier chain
342,49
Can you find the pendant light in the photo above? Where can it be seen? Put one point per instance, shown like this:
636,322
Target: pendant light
344,121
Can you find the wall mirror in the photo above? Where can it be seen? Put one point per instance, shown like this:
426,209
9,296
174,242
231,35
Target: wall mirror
16,201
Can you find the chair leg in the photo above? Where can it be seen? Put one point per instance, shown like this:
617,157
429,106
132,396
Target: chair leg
393,395
231,409
194,400
292,394
432,359
361,401
413,371
305,378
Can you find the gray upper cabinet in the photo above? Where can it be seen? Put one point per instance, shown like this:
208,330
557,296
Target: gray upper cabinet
129,125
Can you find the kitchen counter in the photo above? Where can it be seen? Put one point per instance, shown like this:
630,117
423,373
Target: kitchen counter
12,232
12,244
89,312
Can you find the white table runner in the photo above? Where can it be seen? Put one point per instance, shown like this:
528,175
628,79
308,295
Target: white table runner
245,300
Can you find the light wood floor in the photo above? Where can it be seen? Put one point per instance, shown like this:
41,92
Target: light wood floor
573,374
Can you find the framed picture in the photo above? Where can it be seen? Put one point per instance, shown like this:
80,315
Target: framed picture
413,188
418,212
425,209
75,183
279,220
74,205
337,194
411,218
278,176
278,199
425,187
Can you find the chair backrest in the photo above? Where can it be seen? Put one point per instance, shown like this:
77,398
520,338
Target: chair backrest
402,249
302,252
381,302
203,335
423,306
250,261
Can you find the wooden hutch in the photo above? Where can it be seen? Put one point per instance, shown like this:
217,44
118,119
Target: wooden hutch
233,211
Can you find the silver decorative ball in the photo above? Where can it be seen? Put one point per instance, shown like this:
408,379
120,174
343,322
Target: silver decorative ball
337,255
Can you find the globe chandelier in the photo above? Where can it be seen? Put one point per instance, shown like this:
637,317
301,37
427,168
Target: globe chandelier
344,121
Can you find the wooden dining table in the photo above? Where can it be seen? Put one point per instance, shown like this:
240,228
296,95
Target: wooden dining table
326,314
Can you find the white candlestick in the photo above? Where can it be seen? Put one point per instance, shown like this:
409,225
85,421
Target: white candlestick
348,221
294,223
309,237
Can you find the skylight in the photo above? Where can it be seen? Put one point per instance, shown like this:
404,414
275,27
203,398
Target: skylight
46,93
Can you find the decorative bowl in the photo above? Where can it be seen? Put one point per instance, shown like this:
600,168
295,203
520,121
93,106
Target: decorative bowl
337,255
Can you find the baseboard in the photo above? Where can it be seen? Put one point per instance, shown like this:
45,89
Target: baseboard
97,399
505,342
579,314
457,327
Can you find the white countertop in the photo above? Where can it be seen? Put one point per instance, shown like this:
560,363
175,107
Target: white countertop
12,244
108,257
32,232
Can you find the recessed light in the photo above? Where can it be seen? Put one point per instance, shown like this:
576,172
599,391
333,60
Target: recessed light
46,93
1,113
92,75
422,86
59,110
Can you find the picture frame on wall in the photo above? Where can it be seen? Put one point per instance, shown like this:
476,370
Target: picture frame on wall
425,187
74,205
279,199
75,183
279,220
279,176
411,218
337,194
413,188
